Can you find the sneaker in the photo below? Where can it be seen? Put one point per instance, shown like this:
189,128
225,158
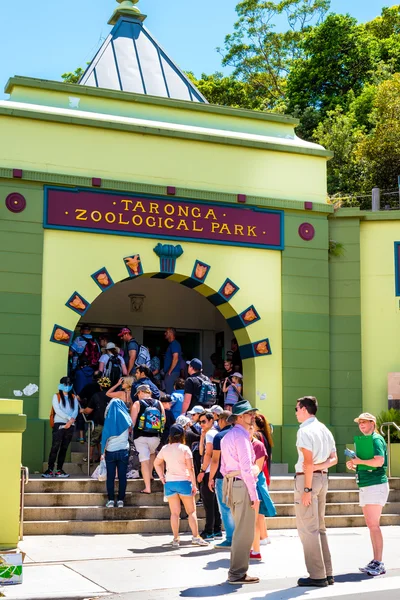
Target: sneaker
110,504
255,555
120,504
207,536
330,579
265,542
377,569
198,541
218,535
175,543
60,474
48,474
368,566
225,545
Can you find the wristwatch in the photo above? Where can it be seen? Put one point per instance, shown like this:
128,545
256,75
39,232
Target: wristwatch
308,490
202,471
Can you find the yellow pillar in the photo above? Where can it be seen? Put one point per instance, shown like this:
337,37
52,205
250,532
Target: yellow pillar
12,425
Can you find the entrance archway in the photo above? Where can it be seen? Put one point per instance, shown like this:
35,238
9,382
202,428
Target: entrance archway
242,283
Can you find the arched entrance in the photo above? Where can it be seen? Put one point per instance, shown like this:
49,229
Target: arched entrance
243,285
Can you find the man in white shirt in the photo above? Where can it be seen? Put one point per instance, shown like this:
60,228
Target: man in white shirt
317,453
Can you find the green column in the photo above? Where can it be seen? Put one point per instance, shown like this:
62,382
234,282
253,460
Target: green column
345,319
305,323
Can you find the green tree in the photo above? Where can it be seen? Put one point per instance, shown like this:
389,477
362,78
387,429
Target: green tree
228,91
340,133
73,77
379,152
261,56
338,58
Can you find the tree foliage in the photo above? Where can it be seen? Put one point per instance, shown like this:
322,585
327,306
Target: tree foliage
73,77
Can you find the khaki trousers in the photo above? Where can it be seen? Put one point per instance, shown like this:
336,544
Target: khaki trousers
244,517
310,521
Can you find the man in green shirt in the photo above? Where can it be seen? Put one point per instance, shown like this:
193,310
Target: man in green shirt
374,489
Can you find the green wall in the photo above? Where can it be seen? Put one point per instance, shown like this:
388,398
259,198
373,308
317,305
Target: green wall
345,324
305,323
21,252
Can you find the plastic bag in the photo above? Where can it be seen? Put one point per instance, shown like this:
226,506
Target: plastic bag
101,471
30,389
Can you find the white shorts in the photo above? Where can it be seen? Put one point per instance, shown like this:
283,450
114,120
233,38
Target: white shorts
374,494
146,446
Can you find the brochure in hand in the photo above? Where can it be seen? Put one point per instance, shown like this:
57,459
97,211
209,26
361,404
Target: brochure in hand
364,446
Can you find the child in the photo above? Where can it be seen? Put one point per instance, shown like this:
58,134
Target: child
232,389
177,397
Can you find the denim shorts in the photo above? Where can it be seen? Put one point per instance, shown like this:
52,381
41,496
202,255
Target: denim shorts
183,488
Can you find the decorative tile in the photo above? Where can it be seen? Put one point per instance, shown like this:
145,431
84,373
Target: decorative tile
133,265
244,319
103,279
228,289
61,335
200,271
78,303
256,349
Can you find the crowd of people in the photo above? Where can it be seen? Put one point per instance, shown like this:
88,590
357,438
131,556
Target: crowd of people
183,431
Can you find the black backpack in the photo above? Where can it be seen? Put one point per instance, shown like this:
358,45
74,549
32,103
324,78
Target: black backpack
113,369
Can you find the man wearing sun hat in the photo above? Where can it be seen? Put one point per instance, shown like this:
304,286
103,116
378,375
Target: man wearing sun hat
239,489
374,489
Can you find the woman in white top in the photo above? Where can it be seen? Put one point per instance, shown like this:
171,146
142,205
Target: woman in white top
179,482
64,412
112,352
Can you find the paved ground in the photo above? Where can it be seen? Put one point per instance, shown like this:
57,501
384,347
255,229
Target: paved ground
145,567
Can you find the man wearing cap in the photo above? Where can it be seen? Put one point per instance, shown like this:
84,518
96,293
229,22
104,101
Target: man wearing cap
193,384
131,349
317,453
374,489
239,489
147,439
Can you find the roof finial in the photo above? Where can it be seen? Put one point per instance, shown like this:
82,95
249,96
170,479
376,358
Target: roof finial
127,9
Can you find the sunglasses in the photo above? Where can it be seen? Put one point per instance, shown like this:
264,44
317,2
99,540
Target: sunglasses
202,422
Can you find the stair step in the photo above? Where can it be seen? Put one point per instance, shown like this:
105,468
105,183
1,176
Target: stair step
82,485
163,525
99,513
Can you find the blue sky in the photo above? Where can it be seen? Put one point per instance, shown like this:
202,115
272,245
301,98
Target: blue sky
45,38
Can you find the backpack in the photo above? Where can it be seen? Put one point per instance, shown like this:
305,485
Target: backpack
91,353
113,369
143,356
152,420
208,392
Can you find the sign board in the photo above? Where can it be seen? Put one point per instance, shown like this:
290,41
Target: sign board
117,213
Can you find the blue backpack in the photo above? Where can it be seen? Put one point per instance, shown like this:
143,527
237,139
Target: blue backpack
151,420
208,392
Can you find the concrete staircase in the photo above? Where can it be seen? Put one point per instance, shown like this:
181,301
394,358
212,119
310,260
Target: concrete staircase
77,506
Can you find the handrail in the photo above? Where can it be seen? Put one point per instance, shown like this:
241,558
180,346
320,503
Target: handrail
90,429
24,480
389,424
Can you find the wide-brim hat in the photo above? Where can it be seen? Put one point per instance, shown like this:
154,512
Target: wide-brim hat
241,407
365,417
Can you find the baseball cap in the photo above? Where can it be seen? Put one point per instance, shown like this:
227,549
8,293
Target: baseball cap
143,388
123,331
196,410
182,420
216,409
365,417
237,375
176,430
195,363
110,346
